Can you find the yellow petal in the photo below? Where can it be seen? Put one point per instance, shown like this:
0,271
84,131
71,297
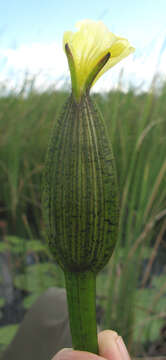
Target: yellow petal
88,46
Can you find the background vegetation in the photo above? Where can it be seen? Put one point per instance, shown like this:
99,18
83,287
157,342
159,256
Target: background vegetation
131,290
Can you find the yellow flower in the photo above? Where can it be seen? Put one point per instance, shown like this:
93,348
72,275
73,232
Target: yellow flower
91,51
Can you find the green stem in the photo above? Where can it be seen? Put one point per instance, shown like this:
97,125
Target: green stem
81,296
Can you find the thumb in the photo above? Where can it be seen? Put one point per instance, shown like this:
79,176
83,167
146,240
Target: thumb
111,346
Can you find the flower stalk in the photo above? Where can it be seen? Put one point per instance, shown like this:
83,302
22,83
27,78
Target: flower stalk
81,296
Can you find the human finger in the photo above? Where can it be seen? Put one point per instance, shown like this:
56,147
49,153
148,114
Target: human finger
111,346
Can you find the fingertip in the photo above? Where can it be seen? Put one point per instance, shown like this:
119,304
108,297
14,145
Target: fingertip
111,346
107,344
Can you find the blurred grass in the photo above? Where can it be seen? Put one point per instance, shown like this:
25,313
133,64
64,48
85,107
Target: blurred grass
136,124
25,123
7,334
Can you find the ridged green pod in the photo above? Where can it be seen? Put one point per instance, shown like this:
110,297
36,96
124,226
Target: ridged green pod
80,195
80,206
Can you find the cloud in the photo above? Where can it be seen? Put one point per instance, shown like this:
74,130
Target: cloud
48,64
36,56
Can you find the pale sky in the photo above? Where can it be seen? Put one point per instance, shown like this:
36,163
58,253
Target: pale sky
31,31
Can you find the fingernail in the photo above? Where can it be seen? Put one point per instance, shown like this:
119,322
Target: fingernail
63,354
66,349
122,349
108,347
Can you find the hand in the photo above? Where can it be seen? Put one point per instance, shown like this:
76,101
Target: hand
111,347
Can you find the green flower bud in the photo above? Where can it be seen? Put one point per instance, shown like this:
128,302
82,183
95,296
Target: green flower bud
80,189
